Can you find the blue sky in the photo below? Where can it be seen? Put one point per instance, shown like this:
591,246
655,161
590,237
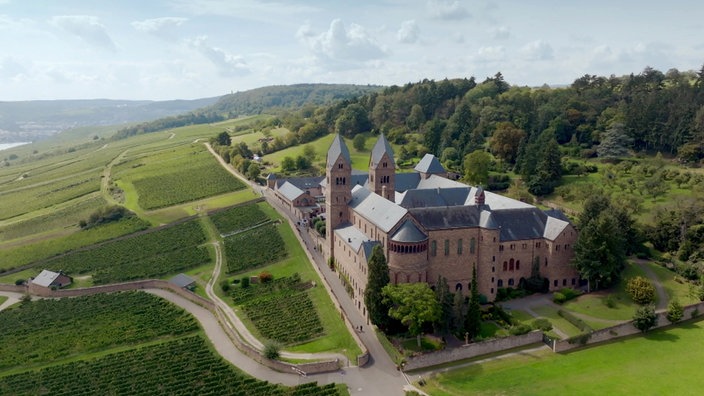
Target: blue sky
184,49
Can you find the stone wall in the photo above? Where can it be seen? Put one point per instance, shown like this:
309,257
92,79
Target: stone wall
621,330
13,288
472,350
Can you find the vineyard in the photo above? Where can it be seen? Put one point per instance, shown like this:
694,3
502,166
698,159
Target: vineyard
47,330
281,310
180,367
253,248
238,218
153,254
169,176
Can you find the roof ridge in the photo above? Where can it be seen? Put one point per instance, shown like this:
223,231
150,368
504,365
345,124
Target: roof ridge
338,148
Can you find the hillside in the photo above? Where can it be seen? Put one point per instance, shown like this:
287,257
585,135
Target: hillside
38,119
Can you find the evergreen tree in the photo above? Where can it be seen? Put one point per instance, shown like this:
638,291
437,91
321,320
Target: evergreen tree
600,251
445,299
472,324
378,277
458,313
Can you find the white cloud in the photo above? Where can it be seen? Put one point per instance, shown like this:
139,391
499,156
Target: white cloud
491,54
227,64
409,32
342,46
500,33
87,28
163,26
10,68
537,50
447,10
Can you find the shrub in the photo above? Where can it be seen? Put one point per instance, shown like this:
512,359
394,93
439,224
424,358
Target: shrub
570,293
520,329
641,290
271,350
610,301
225,285
265,277
19,282
245,282
558,298
674,311
645,318
577,322
542,324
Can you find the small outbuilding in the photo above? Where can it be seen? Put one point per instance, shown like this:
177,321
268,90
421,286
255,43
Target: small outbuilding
51,279
183,281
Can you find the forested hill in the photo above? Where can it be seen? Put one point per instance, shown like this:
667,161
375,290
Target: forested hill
606,116
261,100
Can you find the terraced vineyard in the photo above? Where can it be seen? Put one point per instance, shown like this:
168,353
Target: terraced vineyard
176,175
238,218
148,255
44,331
254,248
180,367
275,309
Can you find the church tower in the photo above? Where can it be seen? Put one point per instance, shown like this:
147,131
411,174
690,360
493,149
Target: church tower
338,190
382,169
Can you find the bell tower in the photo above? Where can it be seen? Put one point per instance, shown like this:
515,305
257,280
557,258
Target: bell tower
382,169
338,190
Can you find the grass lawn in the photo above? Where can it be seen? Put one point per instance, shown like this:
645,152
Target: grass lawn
659,363
550,313
674,289
2,299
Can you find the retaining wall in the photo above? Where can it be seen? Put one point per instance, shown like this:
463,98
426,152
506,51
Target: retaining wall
622,330
472,350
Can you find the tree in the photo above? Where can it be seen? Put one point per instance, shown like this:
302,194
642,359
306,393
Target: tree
476,167
505,141
288,164
445,299
309,152
416,118
640,290
253,171
302,162
614,142
223,139
352,120
414,304
458,312
358,142
599,253
271,350
645,318
474,315
674,311
377,279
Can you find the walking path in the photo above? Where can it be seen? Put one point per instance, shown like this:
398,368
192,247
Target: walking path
663,298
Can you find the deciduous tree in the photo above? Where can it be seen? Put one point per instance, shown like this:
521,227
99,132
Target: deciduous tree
414,304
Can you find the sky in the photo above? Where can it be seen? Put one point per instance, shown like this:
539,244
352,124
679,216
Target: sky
187,49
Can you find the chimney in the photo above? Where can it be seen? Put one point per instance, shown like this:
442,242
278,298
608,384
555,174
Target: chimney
479,196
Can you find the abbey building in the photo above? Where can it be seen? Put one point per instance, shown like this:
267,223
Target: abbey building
430,226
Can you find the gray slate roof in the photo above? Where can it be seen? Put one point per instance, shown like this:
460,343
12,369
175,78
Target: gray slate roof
406,181
440,218
337,148
271,176
382,146
45,278
305,183
351,235
368,246
182,280
289,191
456,196
430,164
408,232
378,210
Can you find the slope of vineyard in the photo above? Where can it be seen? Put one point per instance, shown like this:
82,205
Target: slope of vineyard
43,331
147,255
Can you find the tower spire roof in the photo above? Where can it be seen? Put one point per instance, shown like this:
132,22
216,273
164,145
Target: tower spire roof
337,148
382,146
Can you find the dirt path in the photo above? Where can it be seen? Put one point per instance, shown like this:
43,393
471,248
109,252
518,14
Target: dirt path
12,298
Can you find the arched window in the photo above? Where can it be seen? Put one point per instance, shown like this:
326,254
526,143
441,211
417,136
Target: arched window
510,282
510,265
500,283
505,266
472,245
518,265
458,287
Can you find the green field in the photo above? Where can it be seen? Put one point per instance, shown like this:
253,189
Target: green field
663,362
152,254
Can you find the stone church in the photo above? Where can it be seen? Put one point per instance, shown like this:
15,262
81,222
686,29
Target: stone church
430,226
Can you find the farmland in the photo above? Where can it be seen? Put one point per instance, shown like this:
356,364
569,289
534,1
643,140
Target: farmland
276,309
254,248
238,218
44,331
146,255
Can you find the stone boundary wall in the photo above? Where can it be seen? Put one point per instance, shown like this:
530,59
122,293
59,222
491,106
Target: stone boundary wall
253,353
622,330
472,350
